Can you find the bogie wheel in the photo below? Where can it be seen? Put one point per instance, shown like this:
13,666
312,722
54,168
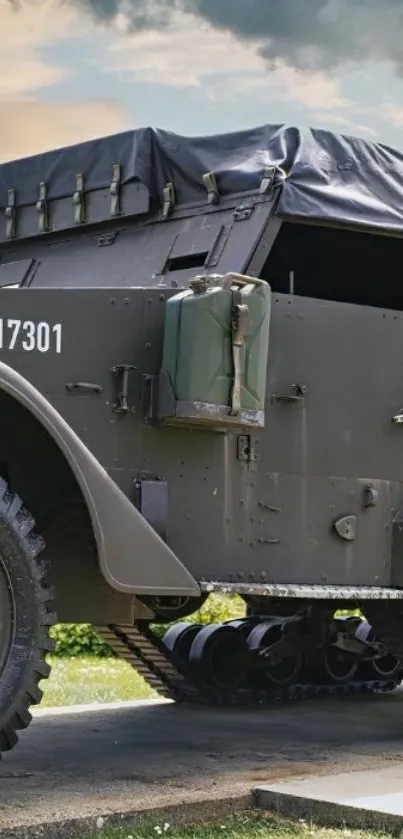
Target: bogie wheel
220,654
179,638
285,672
25,617
386,667
329,665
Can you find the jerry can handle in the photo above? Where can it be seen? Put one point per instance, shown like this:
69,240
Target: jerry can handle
200,284
232,278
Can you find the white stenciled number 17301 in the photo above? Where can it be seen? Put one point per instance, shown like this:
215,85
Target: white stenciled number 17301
30,336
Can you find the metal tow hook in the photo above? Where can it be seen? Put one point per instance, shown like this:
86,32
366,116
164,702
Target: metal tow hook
122,371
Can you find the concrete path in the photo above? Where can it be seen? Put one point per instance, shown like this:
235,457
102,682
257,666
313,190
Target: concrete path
138,756
379,789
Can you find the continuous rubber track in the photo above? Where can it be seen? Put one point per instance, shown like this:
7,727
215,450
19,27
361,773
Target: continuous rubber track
174,679
146,652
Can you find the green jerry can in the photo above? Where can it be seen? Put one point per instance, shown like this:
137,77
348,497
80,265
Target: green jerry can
215,353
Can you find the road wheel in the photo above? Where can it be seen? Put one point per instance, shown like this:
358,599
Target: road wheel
25,617
329,666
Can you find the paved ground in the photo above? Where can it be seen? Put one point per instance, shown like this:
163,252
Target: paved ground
148,755
371,789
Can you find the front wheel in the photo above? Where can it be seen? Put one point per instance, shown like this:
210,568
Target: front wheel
25,617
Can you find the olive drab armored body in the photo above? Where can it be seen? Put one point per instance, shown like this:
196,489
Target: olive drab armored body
201,391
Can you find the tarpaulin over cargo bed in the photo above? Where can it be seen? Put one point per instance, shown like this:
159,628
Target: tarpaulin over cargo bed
328,177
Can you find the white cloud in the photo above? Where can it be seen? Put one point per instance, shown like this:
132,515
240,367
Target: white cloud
343,122
30,127
26,29
183,54
19,77
189,52
392,112
310,88
35,22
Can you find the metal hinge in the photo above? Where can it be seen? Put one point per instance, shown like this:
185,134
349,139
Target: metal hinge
114,190
247,449
121,372
268,179
78,201
169,200
10,213
210,182
42,208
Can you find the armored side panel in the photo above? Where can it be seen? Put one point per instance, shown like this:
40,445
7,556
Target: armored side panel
311,499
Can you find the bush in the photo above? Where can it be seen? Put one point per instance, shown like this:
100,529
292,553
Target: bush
81,639
218,608
78,639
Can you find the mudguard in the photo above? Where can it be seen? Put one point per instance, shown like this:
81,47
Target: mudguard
132,556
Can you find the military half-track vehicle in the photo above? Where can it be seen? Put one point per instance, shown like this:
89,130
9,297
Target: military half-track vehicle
201,390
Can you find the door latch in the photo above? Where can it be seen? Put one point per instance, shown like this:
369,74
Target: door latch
121,371
294,397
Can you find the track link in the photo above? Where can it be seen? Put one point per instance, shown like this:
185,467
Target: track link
146,652
174,679
386,616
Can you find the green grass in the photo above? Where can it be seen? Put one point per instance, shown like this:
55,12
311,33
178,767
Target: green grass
246,826
85,679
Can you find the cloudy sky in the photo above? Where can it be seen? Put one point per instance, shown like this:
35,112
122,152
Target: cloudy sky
75,69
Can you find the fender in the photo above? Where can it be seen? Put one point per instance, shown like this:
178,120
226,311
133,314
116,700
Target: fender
132,556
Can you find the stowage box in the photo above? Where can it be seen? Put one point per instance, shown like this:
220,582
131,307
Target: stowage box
215,352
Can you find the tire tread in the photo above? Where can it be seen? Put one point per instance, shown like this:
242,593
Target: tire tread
22,524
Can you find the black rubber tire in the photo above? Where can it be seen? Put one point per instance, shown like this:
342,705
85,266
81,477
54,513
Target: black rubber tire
24,578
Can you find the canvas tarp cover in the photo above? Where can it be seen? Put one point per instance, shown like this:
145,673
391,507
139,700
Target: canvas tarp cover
328,177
